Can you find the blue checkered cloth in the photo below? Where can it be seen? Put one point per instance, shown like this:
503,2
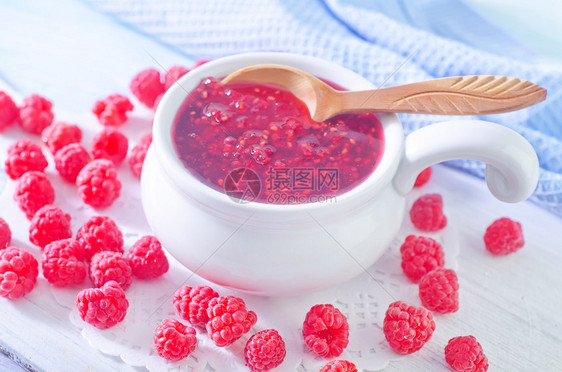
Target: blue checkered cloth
440,38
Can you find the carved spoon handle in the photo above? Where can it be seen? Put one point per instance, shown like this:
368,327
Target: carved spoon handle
464,95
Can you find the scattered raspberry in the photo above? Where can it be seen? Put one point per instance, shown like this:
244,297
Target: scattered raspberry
228,319
110,144
439,291
138,153
146,86
18,272
339,366
5,234
63,262
423,177
60,134
36,114
24,156
325,330
465,354
8,110
174,340
200,62
112,110
265,350
70,160
420,255
192,302
407,328
102,307
100,233
48,225
147,259
33,191
97,183
504,236
173,75
110,266
427,213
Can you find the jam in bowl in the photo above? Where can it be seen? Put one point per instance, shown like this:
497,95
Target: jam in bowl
242,188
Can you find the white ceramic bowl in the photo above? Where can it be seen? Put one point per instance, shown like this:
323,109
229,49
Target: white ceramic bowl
270,249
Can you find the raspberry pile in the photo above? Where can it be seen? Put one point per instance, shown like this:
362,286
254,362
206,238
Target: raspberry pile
147,258
70,160
174,340
427,213
18,272
24,156
191,303
9,112
97,183
60,134
102,307
49,224
439,291
504,236
62,262
138,153
339,365
112,110
407,328
110,144
33,191
420,255
5,234
265,350
100,233
325,330
228,319
108,266
465,354
146,86
36,114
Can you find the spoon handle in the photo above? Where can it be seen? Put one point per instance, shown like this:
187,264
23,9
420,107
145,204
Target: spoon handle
463,95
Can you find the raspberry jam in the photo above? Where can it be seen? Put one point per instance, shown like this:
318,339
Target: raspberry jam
261,137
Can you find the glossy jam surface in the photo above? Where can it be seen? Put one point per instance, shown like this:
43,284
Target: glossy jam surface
258,143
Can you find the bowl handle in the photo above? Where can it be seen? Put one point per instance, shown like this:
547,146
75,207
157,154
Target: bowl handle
512,166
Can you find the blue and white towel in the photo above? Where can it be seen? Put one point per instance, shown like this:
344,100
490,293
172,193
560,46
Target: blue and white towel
441,38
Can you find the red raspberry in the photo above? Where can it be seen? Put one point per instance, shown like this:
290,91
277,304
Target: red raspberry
24,156
423,177
192,302
110,144
427,213
228,319
157,102
504,236
465,354
110,266
407,328
36,114
173,74
265,350
102,307
48,225
146,86
420,255
8,111
97,183
60,134
33,191
147,259
174,340
339,366
439,291
112,110
138,153
63,262
18,272
325,330
70,160
5,234
100,233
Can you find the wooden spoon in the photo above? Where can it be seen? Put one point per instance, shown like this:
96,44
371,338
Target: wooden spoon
462,95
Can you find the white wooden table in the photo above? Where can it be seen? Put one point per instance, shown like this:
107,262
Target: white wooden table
513,305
